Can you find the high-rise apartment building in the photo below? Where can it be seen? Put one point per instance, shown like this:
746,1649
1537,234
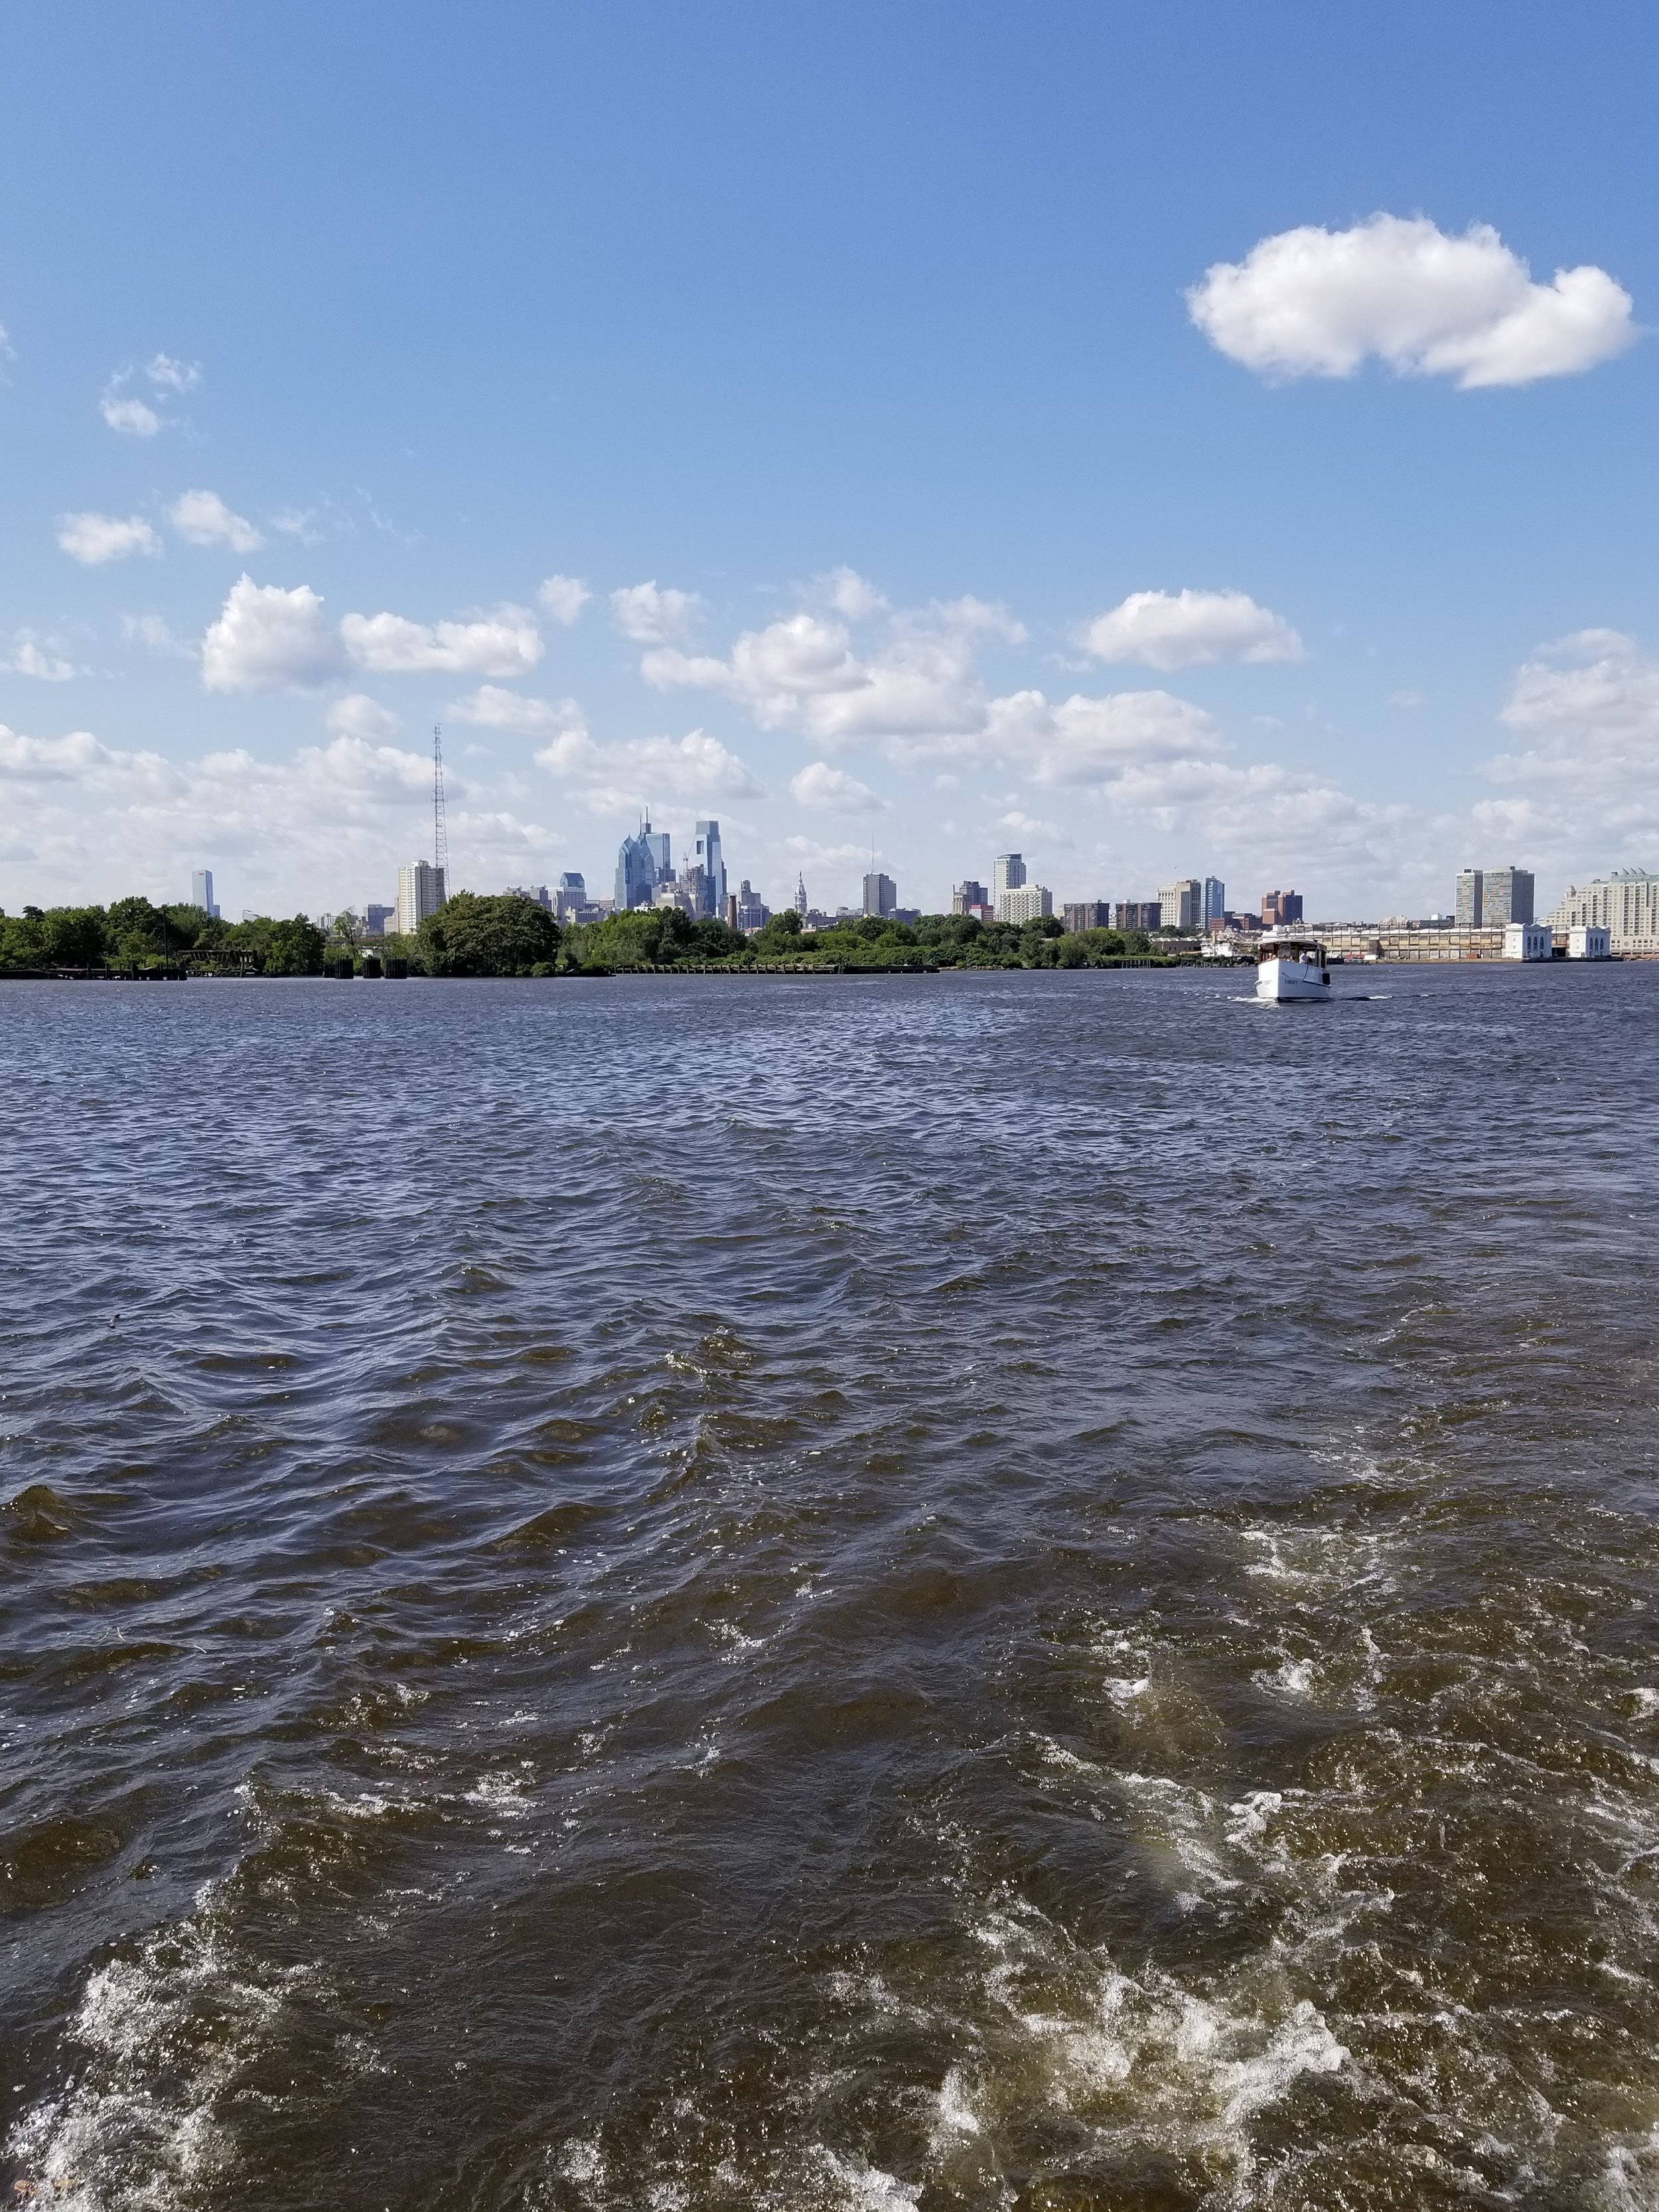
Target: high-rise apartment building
1025,902
1086,913
967,896
880,894
1469,899
1506,895
420,892
1215,901
1137,914
1007,875
706,855
1624,903
1182,903
201,892
1279,908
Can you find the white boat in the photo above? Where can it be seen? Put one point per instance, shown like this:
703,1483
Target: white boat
1289,965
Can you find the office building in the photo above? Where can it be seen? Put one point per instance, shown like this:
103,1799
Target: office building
538,894
420,892
753,913
1025,902
375,917
662,850
570,896
1086,913
706,855
682,895
1215,901
1182,903
880,895
1007,875
1624,903
1506,895
637,867
1137,914
201,892
1279,908
1469,899
968,895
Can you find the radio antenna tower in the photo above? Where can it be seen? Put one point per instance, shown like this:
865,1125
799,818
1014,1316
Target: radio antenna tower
440,824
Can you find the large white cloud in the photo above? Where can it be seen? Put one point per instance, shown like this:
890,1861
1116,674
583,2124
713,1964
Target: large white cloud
1182,630
618,778
202,518
267,639
506,642
1316,302
1583,791
95,539
652,614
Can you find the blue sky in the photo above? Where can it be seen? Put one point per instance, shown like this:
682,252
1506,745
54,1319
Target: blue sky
867,335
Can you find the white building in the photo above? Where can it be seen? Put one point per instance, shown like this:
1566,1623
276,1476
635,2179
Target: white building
1587,943
1528,940
1180,904
1024,902
1008,875
420,892
201,892
1624,903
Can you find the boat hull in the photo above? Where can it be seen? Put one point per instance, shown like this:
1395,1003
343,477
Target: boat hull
1285,979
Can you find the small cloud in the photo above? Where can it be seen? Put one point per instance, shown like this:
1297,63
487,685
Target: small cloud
1408,699
201,518
946,782
152,630
853,595
653,615
357,715
493,707
94,539
168,374
1188,629
563,598
132,417
30,658
504,643
832,791
299,522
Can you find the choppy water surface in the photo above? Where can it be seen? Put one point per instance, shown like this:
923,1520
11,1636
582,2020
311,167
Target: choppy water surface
1027,1590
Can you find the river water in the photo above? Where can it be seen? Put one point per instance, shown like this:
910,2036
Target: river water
974,1591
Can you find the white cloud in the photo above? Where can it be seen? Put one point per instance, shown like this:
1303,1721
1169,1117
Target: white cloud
1090,740
299,522
267,639
201,518
94,539
853,595
1181,629
153,631
831,791
654,616
1584,792
30,658
504,643
613,778
492,707
168,374
563,598
357,715
131,417
1316,302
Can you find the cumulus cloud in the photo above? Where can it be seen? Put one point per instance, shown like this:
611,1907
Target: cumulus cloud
201,518
267,639
29,657
831,791
504,643
612,778
563,598
132,417
1583,789
1182,630
168,374
853,595
492,707
95,539
153,631
1316,302
357,715
653,615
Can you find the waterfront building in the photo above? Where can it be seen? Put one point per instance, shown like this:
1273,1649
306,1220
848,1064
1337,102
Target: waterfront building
880,895
1528,940
1007,875
637,876
706,857
1025,902
1215,902
1137,914
1587,943
1182,903
967,896
201,892
1086,913
570,896
420,892
1506,895
753,913
1469,899
1624,903
1279,908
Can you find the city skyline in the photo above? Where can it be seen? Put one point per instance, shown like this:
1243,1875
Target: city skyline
1364,592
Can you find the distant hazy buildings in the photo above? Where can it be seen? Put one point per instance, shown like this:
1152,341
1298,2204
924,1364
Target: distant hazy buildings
1085,913
1181,903
201,892
538,894
570,896
1624,903
968,896
706,856
420,893
1024,902
376,916
1007,875
1279,908
643,863
752,911
880,895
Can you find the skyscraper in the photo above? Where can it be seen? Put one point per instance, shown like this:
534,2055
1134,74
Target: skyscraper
706,856
1280,907
637,876
800,894
661,845
1215,900
880,894
1469,899
1506,895
201,892
1182,903
1007,875
420,892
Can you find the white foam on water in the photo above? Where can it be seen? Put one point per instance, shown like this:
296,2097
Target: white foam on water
867,2188
504,1794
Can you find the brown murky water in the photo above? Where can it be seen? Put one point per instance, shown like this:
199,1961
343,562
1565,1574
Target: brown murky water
963,1591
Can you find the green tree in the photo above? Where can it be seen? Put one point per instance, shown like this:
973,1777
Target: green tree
293,948
475,934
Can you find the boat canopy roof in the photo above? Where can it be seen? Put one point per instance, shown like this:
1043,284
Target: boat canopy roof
1275,941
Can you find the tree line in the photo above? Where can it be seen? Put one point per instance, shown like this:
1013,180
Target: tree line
480,934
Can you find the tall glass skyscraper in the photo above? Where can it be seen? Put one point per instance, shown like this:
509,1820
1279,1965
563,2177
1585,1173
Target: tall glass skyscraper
706,855
1215,899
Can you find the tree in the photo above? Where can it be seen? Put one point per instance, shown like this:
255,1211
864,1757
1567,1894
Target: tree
293,948
475,934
